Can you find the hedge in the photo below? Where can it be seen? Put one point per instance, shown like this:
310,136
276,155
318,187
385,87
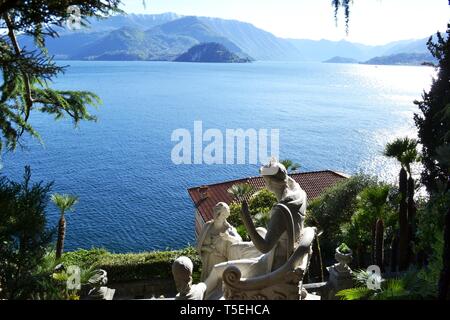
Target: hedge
132,266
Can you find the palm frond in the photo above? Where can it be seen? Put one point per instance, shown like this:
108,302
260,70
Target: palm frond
357,293
394,289
290,165
404,150
361,276
241,191
374,198
64,202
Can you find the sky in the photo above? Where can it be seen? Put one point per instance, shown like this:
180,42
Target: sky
372,22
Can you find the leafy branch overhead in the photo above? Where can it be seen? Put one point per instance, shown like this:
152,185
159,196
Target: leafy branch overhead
27,75
344,4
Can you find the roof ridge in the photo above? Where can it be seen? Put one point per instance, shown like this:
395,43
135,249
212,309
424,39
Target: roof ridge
257,177
220,183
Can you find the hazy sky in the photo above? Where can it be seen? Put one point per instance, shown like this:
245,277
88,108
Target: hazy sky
372,21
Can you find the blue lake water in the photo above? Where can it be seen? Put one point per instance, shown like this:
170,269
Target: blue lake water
133,198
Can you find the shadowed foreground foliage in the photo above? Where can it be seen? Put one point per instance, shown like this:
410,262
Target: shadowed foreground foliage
24,238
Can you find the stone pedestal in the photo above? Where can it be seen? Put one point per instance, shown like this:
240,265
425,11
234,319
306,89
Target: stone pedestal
341,276
338,281
102,293
312,297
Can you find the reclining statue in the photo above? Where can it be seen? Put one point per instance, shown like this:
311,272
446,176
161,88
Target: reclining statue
285,248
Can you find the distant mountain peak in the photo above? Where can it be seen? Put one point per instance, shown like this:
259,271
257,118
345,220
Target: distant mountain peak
182,25
152,16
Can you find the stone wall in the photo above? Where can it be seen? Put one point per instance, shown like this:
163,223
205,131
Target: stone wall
143,289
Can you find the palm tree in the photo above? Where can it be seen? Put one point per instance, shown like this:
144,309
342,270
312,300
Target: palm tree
64,203
241,192
404,150
373,200
290,165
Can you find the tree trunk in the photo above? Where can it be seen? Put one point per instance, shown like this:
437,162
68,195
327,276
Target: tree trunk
61,237
444,281
374,243
379,244
421,259
411,219
403,222
319,254
394,253
360,256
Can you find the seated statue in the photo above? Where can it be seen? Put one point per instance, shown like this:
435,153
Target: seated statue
220,242
283,235
182,269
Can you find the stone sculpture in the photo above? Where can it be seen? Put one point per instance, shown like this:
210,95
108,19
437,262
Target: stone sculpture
341,275
215,239
220,242
285,248
182,269
98,289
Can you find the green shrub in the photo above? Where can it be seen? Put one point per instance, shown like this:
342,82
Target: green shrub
362,233
243,232
334,209
83,258
262,202
343,248
430,220
24,238
259,206
429,276
235,214
133,266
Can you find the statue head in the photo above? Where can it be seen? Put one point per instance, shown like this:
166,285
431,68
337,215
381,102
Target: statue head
275,176
182,269
221,212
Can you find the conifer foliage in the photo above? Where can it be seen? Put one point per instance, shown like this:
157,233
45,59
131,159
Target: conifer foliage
27,74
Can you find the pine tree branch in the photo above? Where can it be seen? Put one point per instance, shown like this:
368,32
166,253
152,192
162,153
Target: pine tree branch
18,54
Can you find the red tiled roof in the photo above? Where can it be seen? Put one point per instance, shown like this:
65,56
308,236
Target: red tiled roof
314,184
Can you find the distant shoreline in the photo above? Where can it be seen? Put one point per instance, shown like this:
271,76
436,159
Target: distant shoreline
65,63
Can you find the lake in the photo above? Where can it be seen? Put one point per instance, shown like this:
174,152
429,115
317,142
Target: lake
133,198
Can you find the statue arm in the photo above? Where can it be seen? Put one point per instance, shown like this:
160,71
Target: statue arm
274,232
202,236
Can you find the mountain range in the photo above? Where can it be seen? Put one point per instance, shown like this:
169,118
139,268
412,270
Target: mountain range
164,37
